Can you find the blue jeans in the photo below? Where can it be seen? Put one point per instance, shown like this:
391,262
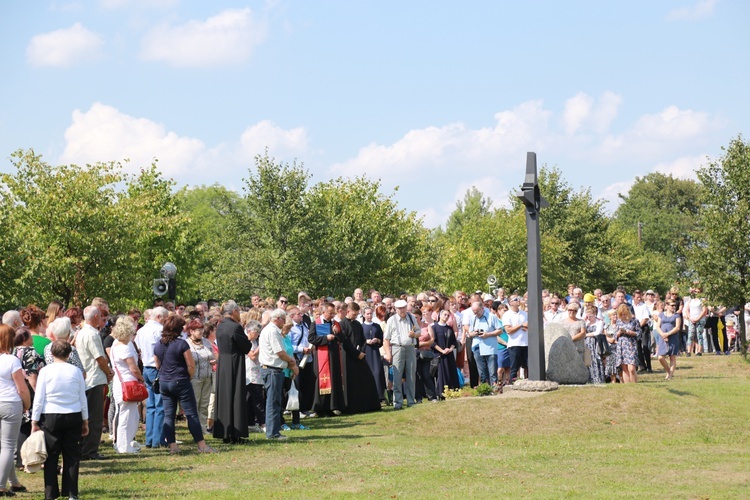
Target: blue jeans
154,410
182,391
487,366
273,381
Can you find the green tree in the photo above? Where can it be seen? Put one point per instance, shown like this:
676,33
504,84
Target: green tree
77,233
205,274
474,206
357,237
721,258
667,208
266,232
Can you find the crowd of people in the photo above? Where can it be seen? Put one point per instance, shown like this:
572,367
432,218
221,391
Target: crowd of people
230,370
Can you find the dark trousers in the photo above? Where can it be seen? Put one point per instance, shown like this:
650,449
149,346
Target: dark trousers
256,404
519,357
306,386
95,400
172,392
425,381
473,370
62,434
644,349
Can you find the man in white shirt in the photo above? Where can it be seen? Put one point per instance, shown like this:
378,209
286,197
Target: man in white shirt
696,322
98,375
401,334
146,339
516,324
273,360
554,313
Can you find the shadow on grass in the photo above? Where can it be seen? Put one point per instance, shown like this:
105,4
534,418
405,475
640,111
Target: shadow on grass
680,393
332,423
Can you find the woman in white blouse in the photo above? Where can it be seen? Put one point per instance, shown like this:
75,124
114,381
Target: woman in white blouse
61,411
14,400
125,365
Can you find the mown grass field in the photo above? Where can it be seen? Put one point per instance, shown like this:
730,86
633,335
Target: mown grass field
687,438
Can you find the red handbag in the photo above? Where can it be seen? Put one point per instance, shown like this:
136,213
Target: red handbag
133,390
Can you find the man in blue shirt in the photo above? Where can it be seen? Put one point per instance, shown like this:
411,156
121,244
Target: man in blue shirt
483,331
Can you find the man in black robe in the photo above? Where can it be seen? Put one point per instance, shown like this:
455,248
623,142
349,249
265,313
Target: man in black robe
230,424
330,396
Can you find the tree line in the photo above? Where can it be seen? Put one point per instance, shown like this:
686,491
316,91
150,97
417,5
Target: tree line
73,233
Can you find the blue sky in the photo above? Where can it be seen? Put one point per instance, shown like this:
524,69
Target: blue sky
433,97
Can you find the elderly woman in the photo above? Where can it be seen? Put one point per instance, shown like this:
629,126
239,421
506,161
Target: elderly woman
256,399
627,349
176,367
124,359
61,411
14,400
60,329
575,328
204,358
594,334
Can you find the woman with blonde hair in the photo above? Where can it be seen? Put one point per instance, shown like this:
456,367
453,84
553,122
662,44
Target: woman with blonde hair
627,348
124,359
55,310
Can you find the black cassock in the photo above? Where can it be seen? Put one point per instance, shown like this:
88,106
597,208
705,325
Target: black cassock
372,353
361,391
231,409
324,404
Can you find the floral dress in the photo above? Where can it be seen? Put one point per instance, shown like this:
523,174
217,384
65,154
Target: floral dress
627,348
31,362
596,370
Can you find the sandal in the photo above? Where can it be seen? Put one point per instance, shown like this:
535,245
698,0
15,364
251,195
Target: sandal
208,449
176,451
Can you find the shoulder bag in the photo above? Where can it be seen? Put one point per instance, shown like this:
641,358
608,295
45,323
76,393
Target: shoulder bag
132,390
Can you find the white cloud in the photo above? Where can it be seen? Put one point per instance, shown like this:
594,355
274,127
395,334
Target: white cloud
64,47
256,138
670,130
119,4
682,168
701,10
582,113
454,147
104,133
226,38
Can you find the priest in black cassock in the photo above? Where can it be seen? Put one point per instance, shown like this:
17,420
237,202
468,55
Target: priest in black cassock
361,391
325,335
231,409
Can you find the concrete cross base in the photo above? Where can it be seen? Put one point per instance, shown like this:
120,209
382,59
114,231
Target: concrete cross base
533,385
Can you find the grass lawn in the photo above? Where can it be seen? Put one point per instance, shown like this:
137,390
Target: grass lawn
681,439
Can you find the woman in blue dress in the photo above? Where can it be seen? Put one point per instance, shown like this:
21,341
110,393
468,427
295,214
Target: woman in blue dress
668,324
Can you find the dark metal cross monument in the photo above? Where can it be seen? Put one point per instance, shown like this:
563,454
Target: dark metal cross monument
533,201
